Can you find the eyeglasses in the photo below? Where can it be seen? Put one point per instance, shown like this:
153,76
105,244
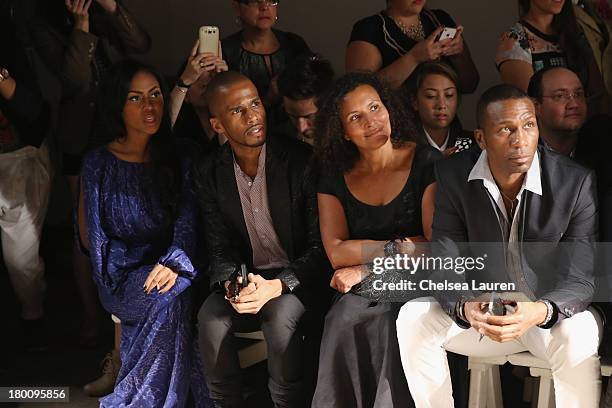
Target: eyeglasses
256,3
566,96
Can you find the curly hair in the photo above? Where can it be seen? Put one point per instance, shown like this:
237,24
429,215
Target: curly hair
333,152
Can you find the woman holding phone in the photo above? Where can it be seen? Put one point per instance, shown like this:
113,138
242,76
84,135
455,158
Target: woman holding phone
259,51
188,110
395,41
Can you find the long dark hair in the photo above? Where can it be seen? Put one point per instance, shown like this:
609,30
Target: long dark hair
110,126
571,37
333,152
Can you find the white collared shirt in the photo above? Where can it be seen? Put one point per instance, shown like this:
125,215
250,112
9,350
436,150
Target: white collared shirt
434,144
531,182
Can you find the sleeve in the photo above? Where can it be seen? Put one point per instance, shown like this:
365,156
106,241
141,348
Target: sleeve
106,254
368,30
513,45
328,184
448,230
28,112
125,33
69,59
575,291
184,242
225,257
312,266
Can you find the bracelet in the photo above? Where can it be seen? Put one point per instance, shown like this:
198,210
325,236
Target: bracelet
549,313
181,89
182,84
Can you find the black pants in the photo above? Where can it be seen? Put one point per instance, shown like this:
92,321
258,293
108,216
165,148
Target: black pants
279,320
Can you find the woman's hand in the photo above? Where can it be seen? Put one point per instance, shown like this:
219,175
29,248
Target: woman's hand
344,279
455,46
429,49
80,12
201,64
108,5
161,278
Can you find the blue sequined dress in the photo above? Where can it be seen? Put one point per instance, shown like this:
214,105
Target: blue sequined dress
129,232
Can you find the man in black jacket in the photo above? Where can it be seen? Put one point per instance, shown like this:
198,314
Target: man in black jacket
259,209
511,193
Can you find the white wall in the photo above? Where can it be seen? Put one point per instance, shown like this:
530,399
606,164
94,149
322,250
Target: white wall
325,25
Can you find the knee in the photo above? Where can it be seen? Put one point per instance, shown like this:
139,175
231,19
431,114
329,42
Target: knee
214,312
414,318
285,312
574,340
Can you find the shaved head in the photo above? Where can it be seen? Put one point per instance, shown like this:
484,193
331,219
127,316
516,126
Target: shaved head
219,85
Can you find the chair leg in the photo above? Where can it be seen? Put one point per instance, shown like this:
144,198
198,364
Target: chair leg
546,390
485,386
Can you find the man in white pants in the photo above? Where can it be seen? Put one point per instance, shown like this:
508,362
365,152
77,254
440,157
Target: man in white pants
510,193
24,191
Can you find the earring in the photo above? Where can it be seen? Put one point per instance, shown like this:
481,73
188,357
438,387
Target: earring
276,19
238,21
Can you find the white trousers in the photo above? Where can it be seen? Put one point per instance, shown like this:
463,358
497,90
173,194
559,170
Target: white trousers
425,332
24,194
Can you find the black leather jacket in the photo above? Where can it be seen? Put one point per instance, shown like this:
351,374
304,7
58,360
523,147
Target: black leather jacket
291,186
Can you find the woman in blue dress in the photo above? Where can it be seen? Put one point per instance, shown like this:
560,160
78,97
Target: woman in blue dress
136,219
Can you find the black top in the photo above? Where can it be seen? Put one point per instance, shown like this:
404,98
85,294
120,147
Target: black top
372,30
188,126
398,219
254,65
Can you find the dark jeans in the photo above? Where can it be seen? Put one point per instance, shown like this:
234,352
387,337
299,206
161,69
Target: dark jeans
279,320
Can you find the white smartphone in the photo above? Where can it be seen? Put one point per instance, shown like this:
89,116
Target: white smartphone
209,40
447,34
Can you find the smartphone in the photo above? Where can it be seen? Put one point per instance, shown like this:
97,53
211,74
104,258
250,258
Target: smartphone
447,34
209,40
463,143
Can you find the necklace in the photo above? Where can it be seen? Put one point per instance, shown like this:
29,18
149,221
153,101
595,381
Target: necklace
412,31
508,199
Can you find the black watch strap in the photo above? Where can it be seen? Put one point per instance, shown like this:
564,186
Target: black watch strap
181,84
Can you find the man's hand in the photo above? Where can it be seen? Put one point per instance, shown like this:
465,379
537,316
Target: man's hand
258,292
505,328
344,279
161,278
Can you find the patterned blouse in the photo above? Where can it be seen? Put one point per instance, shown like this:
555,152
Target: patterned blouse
523,42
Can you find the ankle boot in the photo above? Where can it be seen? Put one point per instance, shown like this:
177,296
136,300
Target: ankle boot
106,383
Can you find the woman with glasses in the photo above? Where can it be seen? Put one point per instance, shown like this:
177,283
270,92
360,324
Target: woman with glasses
259,51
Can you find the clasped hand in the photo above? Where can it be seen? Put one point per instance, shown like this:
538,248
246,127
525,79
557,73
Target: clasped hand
256,294
505,328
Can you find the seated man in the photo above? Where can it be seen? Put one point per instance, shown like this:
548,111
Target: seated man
259,209
510,193
301,84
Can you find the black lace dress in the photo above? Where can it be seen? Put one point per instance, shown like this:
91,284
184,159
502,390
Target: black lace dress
360,364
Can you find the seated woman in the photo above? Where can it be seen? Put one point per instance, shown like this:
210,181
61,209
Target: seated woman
135,218
548,35
258,51
395,41
188,109
377,186
433,94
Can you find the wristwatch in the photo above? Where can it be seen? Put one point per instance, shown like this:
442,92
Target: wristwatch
4,74
182,84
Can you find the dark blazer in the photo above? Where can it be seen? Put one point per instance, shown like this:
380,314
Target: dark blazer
293,208
565,213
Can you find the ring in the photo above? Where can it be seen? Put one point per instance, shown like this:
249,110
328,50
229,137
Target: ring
202,64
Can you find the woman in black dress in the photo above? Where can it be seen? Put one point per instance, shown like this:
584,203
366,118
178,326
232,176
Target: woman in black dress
377,187
395,41
259,51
